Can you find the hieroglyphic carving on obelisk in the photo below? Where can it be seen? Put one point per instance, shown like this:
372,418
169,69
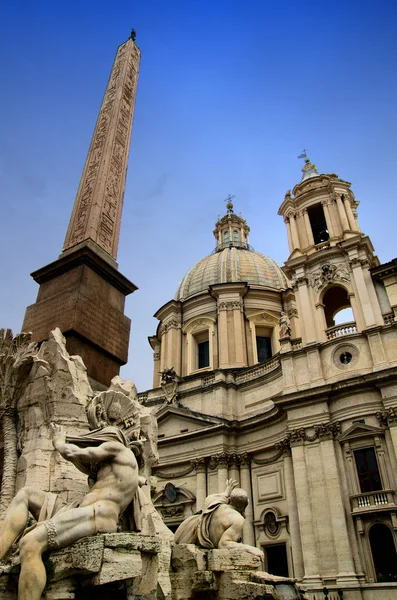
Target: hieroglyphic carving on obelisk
97,210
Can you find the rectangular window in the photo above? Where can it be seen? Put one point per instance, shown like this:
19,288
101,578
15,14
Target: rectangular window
276,559
367,469
263,347
203,354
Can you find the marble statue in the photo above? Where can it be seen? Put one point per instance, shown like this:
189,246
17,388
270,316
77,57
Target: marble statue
113,473
220,524
285,325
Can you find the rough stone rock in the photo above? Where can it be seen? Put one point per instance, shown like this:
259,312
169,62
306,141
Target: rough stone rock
232,559
83,557
149,544
204,581
57,390
117,566
188,556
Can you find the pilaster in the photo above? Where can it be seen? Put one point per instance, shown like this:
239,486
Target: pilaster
201,482
245,482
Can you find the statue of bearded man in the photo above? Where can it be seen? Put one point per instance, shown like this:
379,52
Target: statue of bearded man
112,469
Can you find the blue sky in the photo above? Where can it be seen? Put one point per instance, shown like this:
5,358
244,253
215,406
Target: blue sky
228,95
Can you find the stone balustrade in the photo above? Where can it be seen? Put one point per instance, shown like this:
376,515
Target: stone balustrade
340,330
370,501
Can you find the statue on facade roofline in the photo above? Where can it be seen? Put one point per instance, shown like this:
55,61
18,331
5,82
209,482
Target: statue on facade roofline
220,523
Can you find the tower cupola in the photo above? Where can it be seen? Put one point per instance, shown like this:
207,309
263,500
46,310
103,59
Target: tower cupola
231,231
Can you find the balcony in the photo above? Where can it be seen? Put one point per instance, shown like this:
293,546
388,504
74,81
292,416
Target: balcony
373,501
338,331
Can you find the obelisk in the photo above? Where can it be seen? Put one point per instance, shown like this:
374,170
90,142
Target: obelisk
83,292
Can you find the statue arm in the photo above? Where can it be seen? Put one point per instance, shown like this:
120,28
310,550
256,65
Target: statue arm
73,453
102,453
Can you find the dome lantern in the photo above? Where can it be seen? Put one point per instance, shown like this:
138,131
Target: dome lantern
231,231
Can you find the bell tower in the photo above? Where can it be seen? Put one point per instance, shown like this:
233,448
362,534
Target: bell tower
82,292
330,258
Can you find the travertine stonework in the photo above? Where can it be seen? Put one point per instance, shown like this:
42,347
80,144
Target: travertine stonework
290,426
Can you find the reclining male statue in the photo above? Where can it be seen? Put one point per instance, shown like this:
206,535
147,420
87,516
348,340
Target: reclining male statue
113,469
220,523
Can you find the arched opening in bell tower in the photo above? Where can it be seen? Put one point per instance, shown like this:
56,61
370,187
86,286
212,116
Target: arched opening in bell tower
318,223
337,307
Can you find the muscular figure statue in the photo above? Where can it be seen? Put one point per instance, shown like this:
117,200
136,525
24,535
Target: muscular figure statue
116,482
220,523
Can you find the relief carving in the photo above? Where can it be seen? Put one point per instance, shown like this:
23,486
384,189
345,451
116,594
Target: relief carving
327,274
105,169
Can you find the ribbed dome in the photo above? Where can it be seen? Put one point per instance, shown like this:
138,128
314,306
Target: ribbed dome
232,265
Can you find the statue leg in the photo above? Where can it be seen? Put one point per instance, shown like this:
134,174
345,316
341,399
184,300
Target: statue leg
60,531
16,517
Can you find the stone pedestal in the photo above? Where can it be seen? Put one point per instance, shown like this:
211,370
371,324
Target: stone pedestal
95,565
83,294
227,574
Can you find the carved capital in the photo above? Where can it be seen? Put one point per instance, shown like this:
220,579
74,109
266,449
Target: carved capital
321,431
387,417
296,435
327,430
199,464
355,262
245,460
234,460
222,459
231,305
300,281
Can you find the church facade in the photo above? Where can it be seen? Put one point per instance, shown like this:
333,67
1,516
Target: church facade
257,379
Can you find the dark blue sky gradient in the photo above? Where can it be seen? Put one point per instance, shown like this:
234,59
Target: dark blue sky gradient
229,94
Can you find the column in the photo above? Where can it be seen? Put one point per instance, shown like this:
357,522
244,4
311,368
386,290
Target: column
328,218
222,460
347,492
363,296
306,519
308,227
223,346
201,482
294,232
245,482
342,213
293,519
344,555
307,314
288,225
350,216
239,337
234,471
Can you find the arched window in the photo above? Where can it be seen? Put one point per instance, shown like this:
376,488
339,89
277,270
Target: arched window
226,237
318,224
383,552
235,237
336,301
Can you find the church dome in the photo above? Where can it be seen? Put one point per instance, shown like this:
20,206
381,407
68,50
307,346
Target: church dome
232,265
233,260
